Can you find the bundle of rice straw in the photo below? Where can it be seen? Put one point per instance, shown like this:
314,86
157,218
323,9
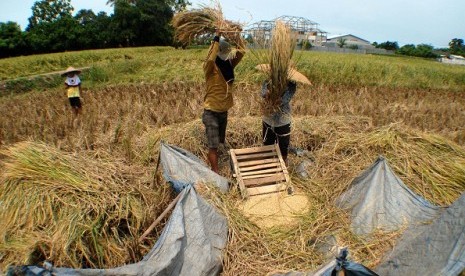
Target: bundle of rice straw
72,211
278,56
206,20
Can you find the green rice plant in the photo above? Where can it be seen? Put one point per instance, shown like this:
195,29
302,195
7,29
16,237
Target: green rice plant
393,72
127,67
160,64
95,74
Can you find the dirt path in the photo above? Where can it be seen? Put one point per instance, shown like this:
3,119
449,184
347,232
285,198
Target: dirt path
42,75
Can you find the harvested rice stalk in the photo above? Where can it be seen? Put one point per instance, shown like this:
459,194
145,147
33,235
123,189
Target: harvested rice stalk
277,64
281,52
205,21
73,212
430,165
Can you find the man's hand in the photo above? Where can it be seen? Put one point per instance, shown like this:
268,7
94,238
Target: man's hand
218,32
217,36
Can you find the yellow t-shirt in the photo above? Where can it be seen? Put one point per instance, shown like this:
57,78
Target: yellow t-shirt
73,91
218,96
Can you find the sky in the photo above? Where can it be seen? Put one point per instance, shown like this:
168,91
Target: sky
433,22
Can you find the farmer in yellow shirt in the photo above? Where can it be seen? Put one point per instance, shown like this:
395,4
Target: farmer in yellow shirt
219,77
73,88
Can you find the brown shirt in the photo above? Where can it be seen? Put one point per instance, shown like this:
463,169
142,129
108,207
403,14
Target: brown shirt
218,97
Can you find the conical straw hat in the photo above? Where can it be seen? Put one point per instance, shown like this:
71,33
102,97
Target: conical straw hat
70,70
293,74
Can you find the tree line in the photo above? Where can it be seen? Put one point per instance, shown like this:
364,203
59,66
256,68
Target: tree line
456,47
134,23
53,28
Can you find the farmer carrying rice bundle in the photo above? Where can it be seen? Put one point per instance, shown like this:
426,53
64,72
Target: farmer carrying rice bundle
219,77
279,88
218,68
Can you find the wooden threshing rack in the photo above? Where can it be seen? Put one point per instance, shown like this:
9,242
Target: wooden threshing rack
259,170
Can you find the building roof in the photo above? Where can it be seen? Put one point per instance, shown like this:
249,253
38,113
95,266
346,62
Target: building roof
457,57
341,36
297,23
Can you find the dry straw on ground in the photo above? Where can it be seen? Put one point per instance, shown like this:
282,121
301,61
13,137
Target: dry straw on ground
65,187
430,165
126,122
73,211
115,115
341,148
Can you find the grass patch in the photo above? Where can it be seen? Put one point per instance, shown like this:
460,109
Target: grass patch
160,64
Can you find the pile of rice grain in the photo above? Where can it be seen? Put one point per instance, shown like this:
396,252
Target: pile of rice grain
275,209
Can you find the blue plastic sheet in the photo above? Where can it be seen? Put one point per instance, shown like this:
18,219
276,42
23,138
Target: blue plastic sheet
379,200
433,249
181,167
193,239
341,263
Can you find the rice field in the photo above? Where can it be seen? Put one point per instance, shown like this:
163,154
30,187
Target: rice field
410,110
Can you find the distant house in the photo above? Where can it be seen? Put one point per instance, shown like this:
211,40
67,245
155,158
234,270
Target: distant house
350,41
452,59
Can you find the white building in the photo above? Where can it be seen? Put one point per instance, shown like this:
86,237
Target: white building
453,59
349,41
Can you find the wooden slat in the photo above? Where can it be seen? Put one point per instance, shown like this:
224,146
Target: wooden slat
238,176
265,180
283,165
258,162
255,156
273,170
258,176
266,189
254,150
260,170
259,167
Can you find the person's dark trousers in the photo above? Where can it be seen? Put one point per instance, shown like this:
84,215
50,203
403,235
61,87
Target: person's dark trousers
280,135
